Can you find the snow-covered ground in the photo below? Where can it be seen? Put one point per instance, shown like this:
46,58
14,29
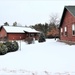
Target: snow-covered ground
48,58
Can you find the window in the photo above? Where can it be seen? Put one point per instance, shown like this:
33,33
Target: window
73,29
61,31
31,35
65,31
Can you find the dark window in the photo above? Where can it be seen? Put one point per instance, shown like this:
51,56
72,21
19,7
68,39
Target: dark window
73,32
65,33
31,35
61,33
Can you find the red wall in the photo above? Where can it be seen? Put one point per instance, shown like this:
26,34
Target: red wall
19,36
68,20
16,36
3,33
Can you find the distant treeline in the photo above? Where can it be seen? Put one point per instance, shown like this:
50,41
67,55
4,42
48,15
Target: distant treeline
50,30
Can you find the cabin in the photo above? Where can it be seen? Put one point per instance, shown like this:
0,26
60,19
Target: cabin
67,24
17,33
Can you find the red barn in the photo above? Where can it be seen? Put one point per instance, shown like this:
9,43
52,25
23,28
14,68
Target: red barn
17,33
67,24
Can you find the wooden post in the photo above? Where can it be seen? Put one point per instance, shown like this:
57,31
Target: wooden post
20,42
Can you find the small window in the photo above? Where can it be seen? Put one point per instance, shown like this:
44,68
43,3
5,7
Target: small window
73,29
73,32
31,35
61,31
65,31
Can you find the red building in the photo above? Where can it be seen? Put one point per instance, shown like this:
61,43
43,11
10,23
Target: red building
67,24
17,33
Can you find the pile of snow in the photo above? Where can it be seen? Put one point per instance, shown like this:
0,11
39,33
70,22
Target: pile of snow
48,58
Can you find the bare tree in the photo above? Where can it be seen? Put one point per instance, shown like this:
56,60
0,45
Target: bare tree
54,19
53,26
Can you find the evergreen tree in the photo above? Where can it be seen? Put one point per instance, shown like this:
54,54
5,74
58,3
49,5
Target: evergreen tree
15,24
41,38
6,24
41,27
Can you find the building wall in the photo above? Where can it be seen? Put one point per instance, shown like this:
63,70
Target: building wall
68,20
20,36
3,33
16,36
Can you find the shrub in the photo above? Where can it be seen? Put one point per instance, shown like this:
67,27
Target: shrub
12,46
3,49
41,38
15,46
29,40
9,46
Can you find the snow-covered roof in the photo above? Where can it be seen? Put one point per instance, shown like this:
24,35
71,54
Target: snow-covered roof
14,29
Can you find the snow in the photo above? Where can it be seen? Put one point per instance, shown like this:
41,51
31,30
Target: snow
14,29
48,58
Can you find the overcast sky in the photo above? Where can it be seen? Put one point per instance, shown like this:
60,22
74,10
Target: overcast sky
30,12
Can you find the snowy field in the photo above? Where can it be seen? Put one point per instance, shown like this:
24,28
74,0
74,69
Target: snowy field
48,58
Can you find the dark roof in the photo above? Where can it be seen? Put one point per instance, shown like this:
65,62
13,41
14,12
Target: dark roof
71,9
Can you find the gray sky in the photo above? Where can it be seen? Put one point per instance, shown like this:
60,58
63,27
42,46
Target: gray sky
30,12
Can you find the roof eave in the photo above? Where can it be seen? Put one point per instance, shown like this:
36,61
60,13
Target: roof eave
31,32
15,32
62,17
